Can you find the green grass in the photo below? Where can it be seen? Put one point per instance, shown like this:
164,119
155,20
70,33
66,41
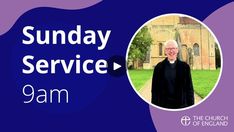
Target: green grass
203,80
139,77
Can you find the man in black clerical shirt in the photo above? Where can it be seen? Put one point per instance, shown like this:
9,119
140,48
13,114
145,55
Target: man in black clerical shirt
172,85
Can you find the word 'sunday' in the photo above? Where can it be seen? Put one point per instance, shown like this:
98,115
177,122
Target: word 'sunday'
73,36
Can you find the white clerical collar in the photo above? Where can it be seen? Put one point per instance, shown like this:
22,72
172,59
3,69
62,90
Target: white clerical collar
171,61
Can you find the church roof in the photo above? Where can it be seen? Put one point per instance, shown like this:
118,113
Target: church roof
186,20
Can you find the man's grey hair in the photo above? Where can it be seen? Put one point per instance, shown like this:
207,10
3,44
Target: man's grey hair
171,41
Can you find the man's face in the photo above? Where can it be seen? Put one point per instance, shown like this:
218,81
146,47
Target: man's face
171,51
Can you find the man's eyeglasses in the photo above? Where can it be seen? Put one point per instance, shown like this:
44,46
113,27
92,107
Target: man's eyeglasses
171,49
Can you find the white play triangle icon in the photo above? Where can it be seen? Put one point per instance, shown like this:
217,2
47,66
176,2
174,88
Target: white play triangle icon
116,66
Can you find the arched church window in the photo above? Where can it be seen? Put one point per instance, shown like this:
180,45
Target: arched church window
160,49
196,49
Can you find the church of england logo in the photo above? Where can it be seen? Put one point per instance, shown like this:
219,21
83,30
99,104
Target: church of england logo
185,120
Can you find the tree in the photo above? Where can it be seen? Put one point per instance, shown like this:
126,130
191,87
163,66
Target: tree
139,46
217,56
178,40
